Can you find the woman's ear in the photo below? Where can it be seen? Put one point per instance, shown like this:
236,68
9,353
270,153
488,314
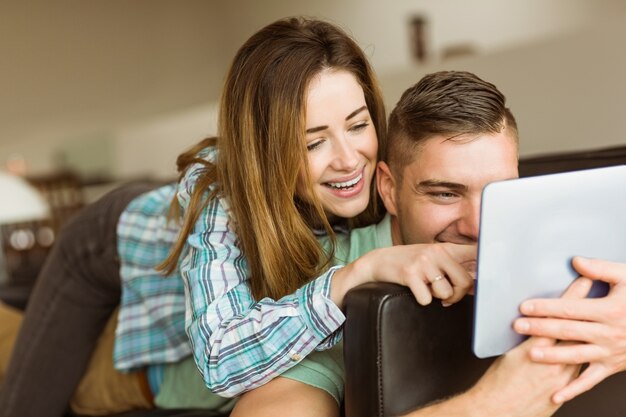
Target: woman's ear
386,184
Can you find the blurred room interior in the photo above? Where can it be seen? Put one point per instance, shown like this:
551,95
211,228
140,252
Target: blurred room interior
115,90
98,92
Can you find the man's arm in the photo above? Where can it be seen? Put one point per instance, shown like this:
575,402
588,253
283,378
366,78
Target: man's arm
598,326
514,386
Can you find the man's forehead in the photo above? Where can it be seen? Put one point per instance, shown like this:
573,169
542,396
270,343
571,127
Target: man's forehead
465,162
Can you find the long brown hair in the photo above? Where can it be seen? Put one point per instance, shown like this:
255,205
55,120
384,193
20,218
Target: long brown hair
262,152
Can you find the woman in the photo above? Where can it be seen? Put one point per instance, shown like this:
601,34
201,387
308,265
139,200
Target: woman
301,124
251,320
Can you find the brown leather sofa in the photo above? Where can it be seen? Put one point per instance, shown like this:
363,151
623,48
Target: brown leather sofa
400,356
383,375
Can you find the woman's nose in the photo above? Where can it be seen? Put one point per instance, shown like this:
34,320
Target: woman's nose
347,157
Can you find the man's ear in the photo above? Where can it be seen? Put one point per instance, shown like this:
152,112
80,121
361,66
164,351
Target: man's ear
386,184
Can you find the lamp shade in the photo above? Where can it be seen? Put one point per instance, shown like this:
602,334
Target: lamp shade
20,201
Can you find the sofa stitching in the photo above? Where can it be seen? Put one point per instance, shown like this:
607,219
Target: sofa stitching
379,368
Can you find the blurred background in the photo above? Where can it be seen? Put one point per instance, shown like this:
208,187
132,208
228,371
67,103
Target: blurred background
114,90
98,92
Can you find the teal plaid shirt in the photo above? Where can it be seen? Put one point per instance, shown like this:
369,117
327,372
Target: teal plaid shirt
151,324
238,343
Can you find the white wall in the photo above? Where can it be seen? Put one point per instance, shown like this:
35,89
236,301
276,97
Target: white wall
71,67
150,148
381,27
567,94
144,76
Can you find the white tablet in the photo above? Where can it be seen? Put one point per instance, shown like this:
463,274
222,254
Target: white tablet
530,229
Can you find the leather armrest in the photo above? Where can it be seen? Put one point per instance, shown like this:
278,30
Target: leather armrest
399,355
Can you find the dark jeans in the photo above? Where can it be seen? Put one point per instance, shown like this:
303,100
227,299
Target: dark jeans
75,294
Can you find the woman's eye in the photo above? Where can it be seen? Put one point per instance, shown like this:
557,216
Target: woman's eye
314,145
359,127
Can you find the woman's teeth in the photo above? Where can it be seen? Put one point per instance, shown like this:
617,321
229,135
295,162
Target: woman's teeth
347,184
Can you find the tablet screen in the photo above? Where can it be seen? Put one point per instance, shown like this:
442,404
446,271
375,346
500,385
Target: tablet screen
530,229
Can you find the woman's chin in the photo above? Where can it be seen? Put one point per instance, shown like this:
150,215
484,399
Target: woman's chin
346,211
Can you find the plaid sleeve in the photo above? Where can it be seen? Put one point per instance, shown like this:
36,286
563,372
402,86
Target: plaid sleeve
239,343
151,325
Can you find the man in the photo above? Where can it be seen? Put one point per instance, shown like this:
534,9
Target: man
449,136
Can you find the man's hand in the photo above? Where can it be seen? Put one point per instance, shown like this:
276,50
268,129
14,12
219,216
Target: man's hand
514,386
597,326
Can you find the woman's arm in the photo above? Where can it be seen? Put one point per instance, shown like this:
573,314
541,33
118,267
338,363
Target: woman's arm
240,344
427,269
237,342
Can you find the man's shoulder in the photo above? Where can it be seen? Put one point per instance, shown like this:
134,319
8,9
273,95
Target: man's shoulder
364,239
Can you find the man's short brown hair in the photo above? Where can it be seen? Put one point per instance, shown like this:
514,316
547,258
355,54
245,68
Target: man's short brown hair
448,103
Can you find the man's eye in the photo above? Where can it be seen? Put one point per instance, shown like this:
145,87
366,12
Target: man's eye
443,195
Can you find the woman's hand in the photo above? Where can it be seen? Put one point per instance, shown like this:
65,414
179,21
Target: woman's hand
429,270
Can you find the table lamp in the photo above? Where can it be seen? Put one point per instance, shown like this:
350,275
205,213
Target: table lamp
19,202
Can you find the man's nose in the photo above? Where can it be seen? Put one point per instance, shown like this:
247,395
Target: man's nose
469,224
